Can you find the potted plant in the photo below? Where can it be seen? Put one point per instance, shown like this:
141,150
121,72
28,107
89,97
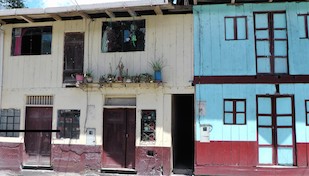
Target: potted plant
157,66
79,77
89,76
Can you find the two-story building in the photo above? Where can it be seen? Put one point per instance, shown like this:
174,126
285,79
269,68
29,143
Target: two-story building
251,80
123,120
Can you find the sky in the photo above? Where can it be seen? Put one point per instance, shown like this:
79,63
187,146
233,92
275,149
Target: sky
59,3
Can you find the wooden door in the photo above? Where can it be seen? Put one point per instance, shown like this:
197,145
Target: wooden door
119,138
38,144
73,56
276,130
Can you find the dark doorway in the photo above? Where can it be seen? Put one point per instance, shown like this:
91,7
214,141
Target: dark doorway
38,144
119,138
183,133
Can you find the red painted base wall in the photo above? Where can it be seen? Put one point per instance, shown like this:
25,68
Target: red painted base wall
240,158
11,156
76,158
146,164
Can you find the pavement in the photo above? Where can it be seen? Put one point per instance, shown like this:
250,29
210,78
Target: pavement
29,172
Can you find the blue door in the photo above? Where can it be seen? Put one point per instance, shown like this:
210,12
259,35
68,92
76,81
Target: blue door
276,134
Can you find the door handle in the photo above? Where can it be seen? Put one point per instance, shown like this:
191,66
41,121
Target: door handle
127,135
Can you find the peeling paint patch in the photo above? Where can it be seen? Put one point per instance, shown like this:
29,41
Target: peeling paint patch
11,156
153,160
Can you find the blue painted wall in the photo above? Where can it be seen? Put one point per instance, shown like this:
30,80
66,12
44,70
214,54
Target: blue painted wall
213,55
214,95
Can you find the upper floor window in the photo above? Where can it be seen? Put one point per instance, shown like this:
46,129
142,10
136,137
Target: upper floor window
271,42
31,41
236,28
303,26
123,36
234,111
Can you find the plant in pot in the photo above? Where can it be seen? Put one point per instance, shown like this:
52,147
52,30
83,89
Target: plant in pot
89,76
79,77
157,66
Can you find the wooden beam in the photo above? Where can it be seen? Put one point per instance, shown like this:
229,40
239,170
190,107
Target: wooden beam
132,13
26,18
2,22
56,17
158,10
110,14
84,15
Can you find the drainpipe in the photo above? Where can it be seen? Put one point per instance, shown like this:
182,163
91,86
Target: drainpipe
1,62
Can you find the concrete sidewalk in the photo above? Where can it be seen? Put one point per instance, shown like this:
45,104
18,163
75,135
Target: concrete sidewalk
52,173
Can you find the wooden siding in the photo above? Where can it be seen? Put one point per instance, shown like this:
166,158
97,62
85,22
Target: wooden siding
170,37
214,95
216,56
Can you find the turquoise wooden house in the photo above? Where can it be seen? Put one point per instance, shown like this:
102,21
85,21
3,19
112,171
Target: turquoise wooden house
252,88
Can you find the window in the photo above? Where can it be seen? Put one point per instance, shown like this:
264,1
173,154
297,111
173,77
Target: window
236,28
271,43
9,120
68,124
235,111
123,36
303,26
307,111
31,41
148,125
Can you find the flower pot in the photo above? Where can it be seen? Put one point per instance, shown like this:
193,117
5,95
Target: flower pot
157,76
89,79
79,78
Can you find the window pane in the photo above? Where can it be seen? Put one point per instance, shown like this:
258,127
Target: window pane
301,26
263,65
241,28
264,105
265,155
261,20
262,34
284,105
284,120
265,120
240,106
228,118
265,136
229,28
281,65
240,118
284,136
285,156
262,48
280,34
280,48
279,20
228,106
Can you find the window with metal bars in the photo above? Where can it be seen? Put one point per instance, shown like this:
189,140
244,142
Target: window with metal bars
68,124
9,120
234,111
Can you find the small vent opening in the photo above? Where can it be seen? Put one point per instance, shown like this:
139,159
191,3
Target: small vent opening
40,100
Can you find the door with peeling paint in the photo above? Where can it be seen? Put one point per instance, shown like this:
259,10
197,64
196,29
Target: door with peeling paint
118,138
38,144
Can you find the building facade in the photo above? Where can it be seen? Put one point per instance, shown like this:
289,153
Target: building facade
109,124
251,83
